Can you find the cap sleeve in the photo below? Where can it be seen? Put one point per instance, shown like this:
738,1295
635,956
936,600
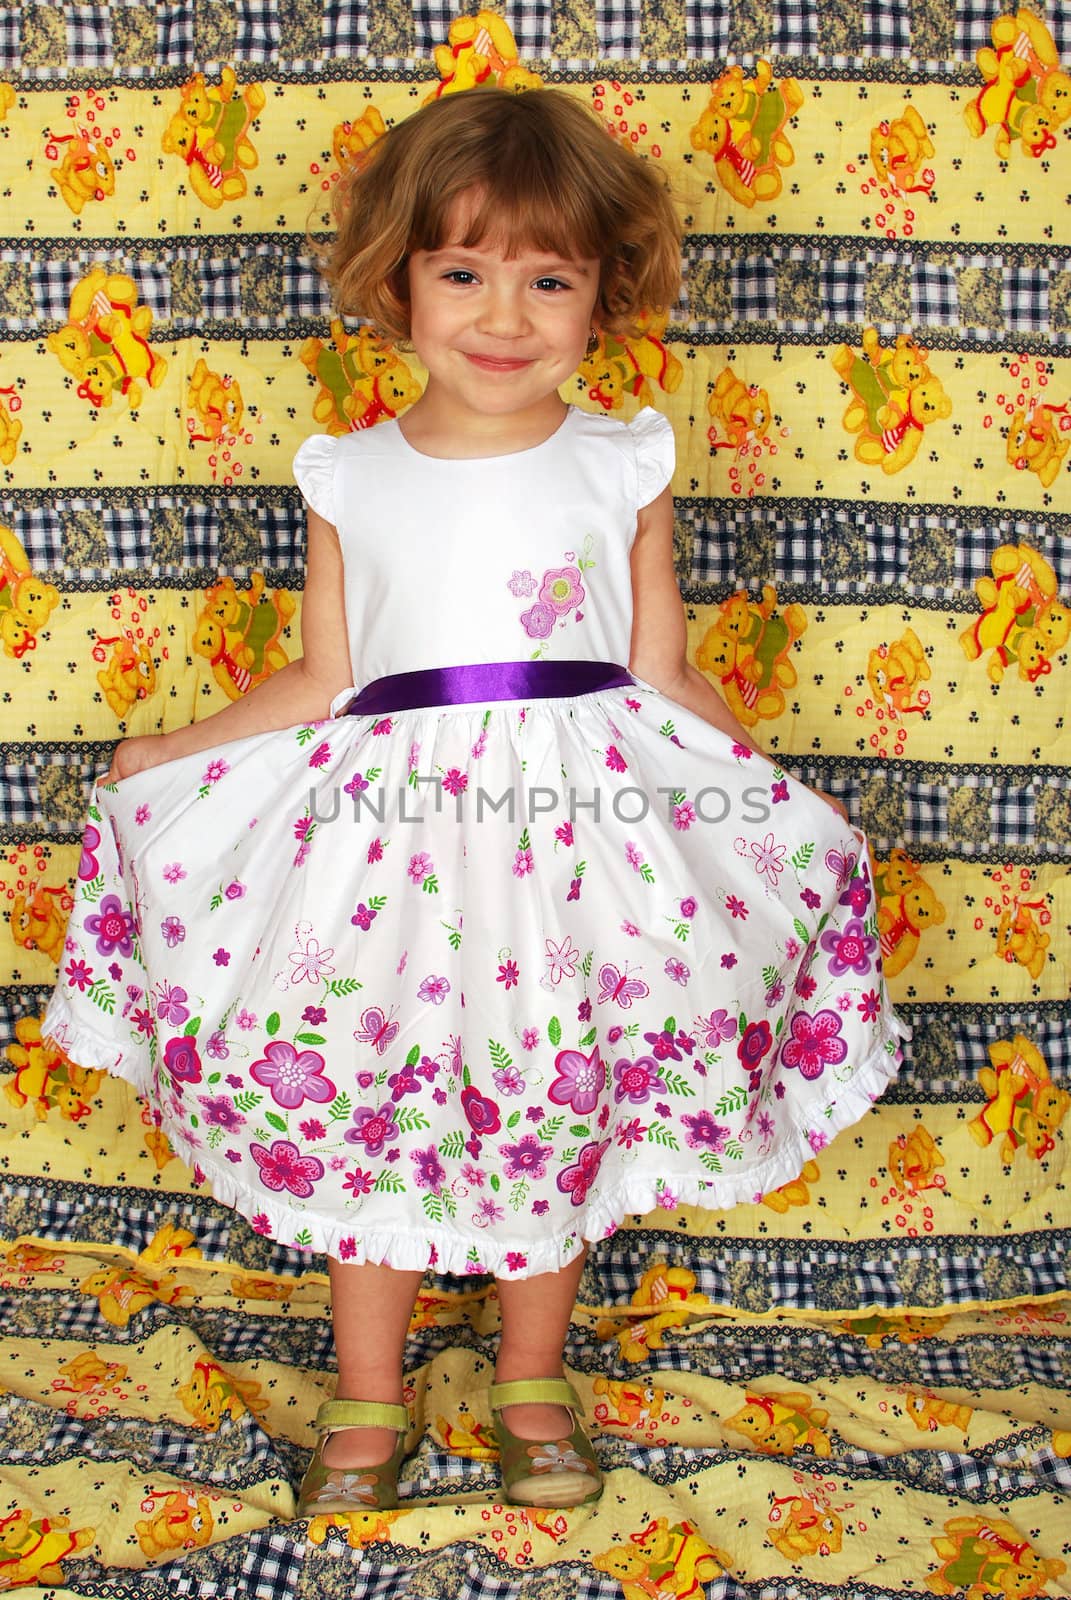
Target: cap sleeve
314,473
655,453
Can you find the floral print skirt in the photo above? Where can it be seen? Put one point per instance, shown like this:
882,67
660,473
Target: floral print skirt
461,987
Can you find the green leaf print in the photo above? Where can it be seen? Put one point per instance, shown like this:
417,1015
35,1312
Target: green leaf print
549,1128
580,1130
801,930
381,1078
413,1057
646,874
408,1118
453,935
274,1120
452,1148
734,1150
524,843
304,735
271,1027
342,986
554,1032
340,1107
430,884
670,1025
585,965
433,1206
801,858
248,1100
518,1195
213,1078
308,1038
780,1025
216,900
500,1056
303,1237
589,1038
495,1182
667,730
449,1203
658,1133
103,996
566,1156
190,1030
513,1119
93,890
710,1160
682,930
389,1183
734,1099
769,976
674,1083
579,868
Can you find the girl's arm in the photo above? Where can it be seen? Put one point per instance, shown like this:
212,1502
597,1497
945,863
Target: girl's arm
658,652
298,693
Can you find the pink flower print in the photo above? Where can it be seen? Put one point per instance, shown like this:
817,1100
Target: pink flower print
521,584
576,1180
775,994
715,1028
321,755
508,1080
221,957
817,1140
480,746
527,1158
580,1081
473,1175
430,1172
455,781
181,1060
779,791
142,815
309,962
561,589
615,760
420,867
487,1212
383,726
755,1042
245,1020
173,930
689,906
538,621
215,770
614,1034
88,865
171,1004
633,856
522,862
220,1113
216,1046
529,1038
482,1114
814,1043
358,1182
234,890
434,989
311,1128
79,976
869,1005
844,1002
704,1133
805,985
667,1199
561,959
414,755
113,927
729,960
293,1076
677,970
636,1080
849,949
375,851
516,1260
632,1132
574,889
683,816
742,752
769,859
736,907
792,948
564,833
630,929
284,1167
373,1129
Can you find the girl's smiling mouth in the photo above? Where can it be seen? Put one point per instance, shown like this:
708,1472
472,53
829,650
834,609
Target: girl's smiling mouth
497,363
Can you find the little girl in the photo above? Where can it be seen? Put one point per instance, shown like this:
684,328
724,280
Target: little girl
456,941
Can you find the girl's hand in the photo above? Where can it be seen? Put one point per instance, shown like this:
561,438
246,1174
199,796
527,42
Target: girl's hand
136,755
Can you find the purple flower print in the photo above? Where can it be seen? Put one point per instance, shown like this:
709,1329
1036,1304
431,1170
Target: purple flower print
363,917
508,1080
173,930
216,1046
580,1080
677,970
718,1026
538,620
527,1158
284,1167
356,784
561,589
88,865
814,1043
521,584
220,1113
434,989
487,1212
810,899
401,1083
689,906
182,1061
293,1076
574,889
482,1114
779,790
430,1172
112,926
577,1179
636,1080
663,1045
314,1016
755,1042
373,1129
428,1069
704,1132
849,949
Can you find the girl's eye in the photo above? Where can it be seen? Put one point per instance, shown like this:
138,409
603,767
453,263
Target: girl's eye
460,275
550,283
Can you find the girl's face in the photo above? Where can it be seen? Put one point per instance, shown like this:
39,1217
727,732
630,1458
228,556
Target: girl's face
500,334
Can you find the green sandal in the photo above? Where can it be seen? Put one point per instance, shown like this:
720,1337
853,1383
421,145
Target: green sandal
375,1488
551,1472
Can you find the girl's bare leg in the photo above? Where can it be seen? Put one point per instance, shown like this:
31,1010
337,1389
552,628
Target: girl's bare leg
371,1306
535,1320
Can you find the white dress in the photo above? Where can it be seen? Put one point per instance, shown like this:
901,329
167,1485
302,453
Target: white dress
461,986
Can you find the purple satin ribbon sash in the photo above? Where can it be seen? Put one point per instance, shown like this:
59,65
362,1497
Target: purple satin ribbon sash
486,680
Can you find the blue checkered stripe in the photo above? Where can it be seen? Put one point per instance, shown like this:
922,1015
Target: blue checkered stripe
706,28
1026,299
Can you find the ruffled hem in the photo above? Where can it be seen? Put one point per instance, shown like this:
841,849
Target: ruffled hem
435,1248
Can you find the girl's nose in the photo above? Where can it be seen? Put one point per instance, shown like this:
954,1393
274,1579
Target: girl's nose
502,315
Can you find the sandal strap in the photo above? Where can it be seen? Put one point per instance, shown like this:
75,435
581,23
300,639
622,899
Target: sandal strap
361,1414
535,1391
